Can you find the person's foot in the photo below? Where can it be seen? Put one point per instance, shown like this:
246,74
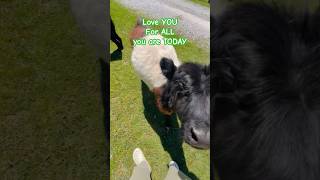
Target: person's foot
138,157
173,164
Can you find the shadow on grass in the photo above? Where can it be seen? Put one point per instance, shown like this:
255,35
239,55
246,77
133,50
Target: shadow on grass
116,55
104,78
167,128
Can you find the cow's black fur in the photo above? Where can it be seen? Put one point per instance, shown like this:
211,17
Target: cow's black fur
265,64
188,93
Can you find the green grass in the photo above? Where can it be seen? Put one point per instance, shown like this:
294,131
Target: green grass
202,2
135,121
51,113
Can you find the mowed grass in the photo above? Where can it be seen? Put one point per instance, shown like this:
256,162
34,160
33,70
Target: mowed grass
51,113
202,2
135,121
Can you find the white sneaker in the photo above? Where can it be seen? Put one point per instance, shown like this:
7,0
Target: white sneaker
173,164
138,157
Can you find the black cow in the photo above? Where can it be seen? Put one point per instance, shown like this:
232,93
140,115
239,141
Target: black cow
187,92
265,64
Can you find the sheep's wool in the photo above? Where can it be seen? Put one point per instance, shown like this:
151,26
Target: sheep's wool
146,61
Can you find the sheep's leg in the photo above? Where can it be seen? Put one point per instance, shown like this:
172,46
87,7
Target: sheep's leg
114,36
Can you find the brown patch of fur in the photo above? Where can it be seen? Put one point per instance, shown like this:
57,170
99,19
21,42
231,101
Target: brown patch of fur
137,33
157,93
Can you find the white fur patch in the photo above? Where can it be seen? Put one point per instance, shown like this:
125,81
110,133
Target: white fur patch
146,61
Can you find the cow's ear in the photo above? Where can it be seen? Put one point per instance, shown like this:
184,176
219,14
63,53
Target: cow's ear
167,67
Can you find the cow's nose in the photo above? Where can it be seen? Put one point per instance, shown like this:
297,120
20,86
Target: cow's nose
200,138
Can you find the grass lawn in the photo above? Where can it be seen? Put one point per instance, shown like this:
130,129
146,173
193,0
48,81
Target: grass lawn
51,113
135,121
202,2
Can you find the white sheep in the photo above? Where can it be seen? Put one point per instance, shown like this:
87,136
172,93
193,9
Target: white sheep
146,59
